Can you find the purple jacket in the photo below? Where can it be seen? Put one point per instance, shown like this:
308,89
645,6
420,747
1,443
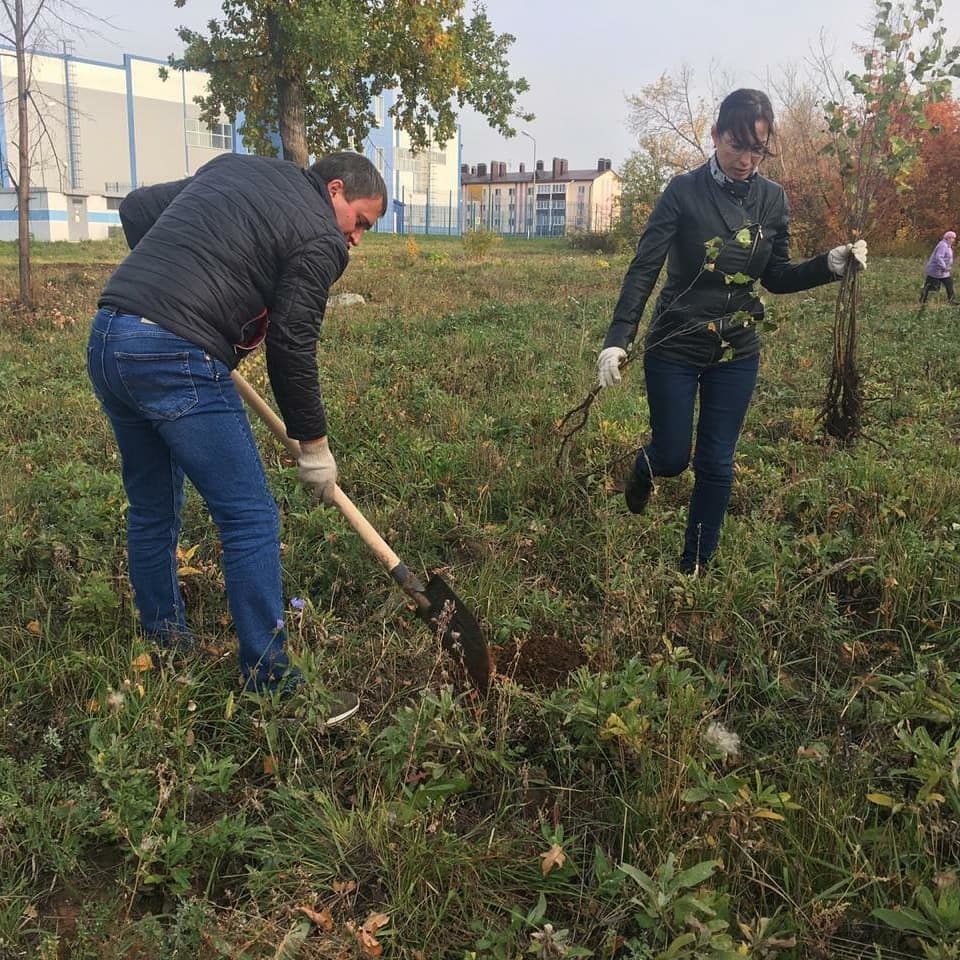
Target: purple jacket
941,260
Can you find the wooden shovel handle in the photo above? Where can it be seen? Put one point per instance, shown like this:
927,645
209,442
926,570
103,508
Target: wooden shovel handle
376,543
265,412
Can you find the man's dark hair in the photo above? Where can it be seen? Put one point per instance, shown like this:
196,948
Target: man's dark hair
740,112
360,177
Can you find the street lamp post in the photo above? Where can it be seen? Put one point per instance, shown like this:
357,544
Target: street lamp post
533,188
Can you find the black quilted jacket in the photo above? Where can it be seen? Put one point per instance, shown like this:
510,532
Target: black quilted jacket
696,315
242,236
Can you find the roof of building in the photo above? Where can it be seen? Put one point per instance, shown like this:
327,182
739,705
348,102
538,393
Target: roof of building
543,176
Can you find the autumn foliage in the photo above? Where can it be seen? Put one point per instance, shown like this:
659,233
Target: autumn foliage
935,196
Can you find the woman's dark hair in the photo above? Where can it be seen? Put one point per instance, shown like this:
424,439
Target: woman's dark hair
740,112
360,177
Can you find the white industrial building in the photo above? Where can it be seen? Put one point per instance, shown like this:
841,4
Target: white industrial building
99,129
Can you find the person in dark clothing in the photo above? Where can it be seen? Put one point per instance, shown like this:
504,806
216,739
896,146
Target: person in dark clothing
243,252
722,228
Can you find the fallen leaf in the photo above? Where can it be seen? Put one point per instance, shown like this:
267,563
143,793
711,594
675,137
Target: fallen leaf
344,886
269,766
375,921
554,857
142,664
93,706
34,627
369,944
945,879
290,945
319,918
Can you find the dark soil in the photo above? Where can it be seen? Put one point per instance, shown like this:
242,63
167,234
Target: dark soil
539,661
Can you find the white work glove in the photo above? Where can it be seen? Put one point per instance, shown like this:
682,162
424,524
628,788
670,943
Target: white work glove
318,469
837,258
608,365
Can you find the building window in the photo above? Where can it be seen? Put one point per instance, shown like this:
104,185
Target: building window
219,136
378,110
113,203
407,159
380,161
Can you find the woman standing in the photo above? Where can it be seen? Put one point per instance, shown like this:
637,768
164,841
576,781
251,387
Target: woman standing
938,269
724,228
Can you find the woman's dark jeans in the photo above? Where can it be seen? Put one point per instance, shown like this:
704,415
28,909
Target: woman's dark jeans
725,390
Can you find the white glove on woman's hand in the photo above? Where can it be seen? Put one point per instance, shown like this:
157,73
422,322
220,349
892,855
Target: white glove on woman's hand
608,365
318,469
837,258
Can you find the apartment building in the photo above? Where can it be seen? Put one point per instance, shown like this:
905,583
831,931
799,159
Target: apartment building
540,202
100,129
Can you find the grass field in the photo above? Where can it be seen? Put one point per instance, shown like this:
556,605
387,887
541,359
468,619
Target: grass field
762,761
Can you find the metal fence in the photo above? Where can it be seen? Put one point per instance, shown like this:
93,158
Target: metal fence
551,220
430,218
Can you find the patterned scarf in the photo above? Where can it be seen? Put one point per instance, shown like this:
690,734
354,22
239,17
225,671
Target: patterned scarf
739,188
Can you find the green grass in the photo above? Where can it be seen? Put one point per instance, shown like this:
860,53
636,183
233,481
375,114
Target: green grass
160,813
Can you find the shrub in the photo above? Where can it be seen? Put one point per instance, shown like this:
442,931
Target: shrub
596,241
480,241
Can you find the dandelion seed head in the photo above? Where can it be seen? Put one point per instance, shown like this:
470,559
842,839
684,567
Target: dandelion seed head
115,699
725,741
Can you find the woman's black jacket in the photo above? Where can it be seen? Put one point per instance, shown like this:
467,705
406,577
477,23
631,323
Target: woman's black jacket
704,313
209,254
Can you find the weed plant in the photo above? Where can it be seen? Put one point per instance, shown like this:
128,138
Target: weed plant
762,761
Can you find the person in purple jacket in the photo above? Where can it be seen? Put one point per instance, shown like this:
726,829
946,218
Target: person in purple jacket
939,268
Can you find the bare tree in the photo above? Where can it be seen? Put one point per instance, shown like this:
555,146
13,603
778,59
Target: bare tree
798,161
668,113
30,23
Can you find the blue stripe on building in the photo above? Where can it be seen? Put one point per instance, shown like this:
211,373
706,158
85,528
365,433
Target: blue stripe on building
50,216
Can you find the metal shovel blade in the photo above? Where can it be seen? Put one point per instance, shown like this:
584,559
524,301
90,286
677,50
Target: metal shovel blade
461,632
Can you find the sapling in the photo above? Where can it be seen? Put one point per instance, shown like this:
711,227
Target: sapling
875,138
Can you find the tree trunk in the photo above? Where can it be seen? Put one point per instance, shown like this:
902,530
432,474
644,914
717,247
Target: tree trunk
293,131
23,174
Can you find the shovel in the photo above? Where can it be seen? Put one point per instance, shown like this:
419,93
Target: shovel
436,602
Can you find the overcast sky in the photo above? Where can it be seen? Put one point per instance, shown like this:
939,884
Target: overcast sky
581,59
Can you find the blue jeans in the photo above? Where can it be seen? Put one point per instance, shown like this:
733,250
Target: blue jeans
175,412
725,391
